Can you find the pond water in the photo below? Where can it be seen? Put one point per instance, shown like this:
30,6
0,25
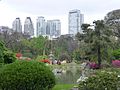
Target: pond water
67,74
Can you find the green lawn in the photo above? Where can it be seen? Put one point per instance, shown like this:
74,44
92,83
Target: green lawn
63,86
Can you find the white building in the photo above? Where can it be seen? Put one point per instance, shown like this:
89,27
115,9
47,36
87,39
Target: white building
40,26
53,28
16,25
28,27
5,29
76,19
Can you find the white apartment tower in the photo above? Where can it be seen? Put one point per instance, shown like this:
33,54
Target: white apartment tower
53,28
16,25
40,26
28,27
75,19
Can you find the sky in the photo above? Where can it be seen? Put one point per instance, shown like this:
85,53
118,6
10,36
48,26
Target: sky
54,9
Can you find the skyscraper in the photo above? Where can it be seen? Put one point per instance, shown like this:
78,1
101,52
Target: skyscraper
28,27
53,28
16,25
76,19
41,26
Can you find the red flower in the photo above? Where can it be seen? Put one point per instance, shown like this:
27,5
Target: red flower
45,61
18,55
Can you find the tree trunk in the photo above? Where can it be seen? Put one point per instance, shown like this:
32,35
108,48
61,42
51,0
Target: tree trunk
99,56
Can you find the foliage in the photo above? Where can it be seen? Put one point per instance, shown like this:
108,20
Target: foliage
9,57
102,80
42,57
116,54
65,56
26,75
112,20
2,49
95,41
64,44
76,55
38,44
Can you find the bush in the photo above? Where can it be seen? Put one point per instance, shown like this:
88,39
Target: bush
9,57
93,65
103,80
41,57
116,54
26,75
2,49
116,63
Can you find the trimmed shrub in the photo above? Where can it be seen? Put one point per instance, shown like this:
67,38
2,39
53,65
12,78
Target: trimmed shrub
26,75
102,80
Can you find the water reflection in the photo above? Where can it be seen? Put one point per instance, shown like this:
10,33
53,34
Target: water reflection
67,75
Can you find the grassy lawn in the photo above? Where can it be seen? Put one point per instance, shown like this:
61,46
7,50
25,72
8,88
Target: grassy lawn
63,86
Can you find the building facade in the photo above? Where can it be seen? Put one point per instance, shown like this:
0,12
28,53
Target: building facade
6,29
75,19
16,25
28,27
53,28
40,26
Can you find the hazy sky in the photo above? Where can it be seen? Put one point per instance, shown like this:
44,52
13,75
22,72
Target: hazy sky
54,9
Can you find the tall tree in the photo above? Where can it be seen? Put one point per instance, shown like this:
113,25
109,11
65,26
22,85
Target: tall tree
96,41
101,39
112,19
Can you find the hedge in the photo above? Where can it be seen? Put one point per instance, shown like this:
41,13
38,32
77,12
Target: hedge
26,75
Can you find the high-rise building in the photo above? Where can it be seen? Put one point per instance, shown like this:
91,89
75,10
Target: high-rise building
28,27
76,19
53,28
16,25
5,29
41,26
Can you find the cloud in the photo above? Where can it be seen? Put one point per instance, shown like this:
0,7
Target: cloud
57,7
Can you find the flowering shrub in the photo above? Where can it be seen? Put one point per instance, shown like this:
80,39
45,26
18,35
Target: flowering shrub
46,61
18,55
116,63
93,65
102,80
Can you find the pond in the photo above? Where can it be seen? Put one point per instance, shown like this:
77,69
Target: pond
67,74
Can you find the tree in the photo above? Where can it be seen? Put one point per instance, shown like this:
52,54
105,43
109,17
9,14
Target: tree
95,42
85,39
112,19
101,39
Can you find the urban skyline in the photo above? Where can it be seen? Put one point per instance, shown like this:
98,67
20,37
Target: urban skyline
51,28
52,9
